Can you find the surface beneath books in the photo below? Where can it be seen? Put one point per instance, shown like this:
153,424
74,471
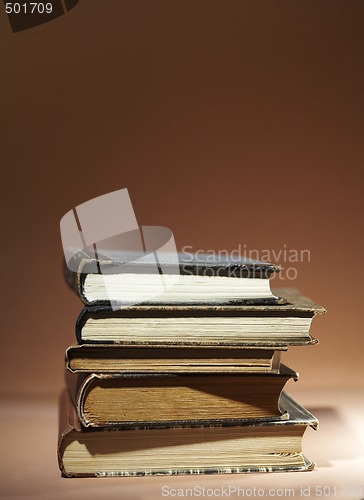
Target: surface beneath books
29,466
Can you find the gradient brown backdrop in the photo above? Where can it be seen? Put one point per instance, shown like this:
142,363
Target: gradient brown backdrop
231,122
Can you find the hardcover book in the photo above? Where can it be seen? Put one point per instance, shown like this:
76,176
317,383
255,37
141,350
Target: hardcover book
118,358
115,400
204,324
230,447
129,278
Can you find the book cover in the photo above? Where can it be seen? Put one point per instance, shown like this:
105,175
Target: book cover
119,358
277,325
227,448
127,276
115,400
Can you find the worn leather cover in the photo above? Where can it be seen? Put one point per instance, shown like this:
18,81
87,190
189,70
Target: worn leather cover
69,425
201,264
295,305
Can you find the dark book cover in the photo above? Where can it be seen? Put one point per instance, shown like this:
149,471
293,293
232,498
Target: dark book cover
295,306
204,265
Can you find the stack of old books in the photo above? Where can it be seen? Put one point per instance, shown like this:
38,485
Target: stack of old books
187,382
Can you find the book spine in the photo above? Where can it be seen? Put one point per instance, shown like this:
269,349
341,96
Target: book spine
76,279
79,324
67,421
67,360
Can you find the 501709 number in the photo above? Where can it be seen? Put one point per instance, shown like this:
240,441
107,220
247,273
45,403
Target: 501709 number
28,8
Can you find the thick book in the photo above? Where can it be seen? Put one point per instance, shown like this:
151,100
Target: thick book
194,279
118,358
202,325
230,447
115,400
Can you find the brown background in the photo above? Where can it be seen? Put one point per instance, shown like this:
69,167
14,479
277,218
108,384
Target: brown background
233,123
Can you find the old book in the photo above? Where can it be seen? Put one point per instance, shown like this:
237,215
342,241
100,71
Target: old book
230,447
130,279
109,400
196,325
118,358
